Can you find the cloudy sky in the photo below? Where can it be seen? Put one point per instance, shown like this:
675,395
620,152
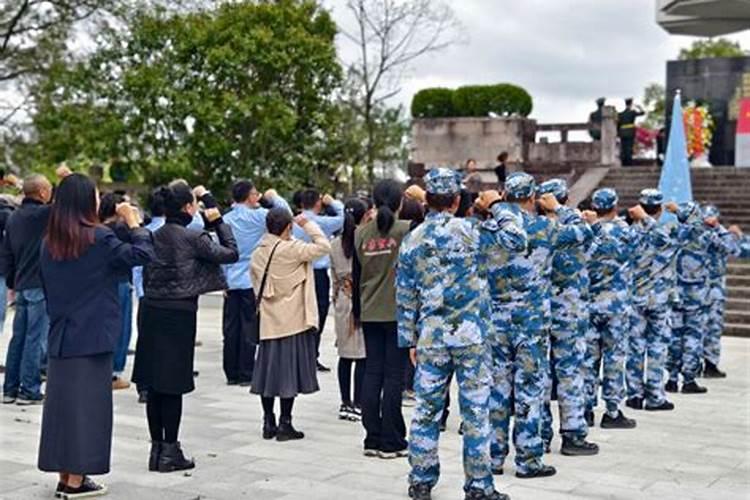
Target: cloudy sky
564,52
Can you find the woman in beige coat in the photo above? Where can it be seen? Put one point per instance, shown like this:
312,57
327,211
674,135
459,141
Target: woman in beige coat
288,317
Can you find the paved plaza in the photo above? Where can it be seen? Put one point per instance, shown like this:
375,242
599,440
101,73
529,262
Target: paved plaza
699,451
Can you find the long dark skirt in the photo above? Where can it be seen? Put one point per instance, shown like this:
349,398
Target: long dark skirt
286,367
165,349
77,416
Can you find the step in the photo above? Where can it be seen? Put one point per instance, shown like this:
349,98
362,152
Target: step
737,316
734,280
736,330
740,292
738,304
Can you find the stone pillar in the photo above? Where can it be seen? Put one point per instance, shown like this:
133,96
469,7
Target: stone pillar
609,156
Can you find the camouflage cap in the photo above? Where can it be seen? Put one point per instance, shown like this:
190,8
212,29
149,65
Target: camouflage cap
604,199
558,187
442,180
686,211
520,185
710,211
651,197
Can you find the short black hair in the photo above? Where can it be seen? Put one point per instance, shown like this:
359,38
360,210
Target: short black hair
176,196
601,212
156,203
277,220
514,199
467,201
651,209
502,156
308,198
108,205
441,201
241,190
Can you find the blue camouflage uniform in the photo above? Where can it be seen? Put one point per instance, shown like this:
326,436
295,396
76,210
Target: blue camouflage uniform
569,323
444,310
654,278
698,241
520,287
610,288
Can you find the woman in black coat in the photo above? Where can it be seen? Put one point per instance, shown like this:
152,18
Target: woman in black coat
187,264
80,263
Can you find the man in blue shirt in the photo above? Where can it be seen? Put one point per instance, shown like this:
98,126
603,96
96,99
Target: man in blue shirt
248,222
312,205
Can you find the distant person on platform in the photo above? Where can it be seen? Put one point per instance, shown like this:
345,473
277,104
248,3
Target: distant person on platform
501,169
626,131
472,179
595,120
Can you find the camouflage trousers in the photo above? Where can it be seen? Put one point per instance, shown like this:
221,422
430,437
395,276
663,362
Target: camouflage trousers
606,350
568,348
519,373
472,367
647,347
685,351
713,331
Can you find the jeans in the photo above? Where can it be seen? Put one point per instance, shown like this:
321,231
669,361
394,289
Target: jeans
323,295
382,387
24,359
125,292
237,324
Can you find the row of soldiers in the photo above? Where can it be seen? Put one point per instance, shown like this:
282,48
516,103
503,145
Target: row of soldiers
529,289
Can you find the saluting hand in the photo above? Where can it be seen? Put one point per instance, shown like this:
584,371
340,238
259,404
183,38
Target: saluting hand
416,193
300,220
327,199
548,202
589,216
711,221
672,207
487,198
637,213
129,214
212,214
735,230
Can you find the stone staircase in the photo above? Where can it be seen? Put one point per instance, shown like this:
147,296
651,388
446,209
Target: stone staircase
729,189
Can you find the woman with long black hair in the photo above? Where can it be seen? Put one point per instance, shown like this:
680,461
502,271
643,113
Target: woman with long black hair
376,252
350,341
186,265
81,262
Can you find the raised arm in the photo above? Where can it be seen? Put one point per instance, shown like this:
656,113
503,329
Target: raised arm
318,246
223,252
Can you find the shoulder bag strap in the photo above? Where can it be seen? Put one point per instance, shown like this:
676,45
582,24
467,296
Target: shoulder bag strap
259,298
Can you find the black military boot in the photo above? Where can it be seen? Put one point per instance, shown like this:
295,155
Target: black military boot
589,416
634,403
671,386
693,388
286,432
710,370
578,447
172,459
543,471
477,494
618,422
269,426
665,406
153,458
420,491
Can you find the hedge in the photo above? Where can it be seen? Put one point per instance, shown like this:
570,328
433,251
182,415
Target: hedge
502,99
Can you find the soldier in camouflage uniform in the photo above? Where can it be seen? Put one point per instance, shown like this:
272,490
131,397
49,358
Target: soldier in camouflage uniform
700,236
654,279
609,274
569,323
520,288
443,311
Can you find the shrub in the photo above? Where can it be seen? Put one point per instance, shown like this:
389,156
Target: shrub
502,99
433,103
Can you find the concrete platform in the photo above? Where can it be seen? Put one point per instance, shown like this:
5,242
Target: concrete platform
699,451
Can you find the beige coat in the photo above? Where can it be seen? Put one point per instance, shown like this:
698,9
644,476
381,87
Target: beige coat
289,306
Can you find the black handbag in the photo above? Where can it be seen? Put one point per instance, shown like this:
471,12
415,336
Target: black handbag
255,331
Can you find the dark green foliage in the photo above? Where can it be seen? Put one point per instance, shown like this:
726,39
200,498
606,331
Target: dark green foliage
502,99
433,103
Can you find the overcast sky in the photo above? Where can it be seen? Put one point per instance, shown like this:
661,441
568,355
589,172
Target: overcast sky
566,53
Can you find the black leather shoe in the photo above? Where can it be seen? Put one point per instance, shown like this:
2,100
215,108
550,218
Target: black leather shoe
173,459
477,494
671,386
693,388
589,416
269,426
578,447
153,458
286,432
618,422
420,491
321,367
665,406
710,370
634,403
543,471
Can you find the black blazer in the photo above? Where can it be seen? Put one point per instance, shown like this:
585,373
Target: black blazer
82,300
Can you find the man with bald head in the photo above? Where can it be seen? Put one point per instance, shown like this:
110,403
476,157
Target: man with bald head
19,263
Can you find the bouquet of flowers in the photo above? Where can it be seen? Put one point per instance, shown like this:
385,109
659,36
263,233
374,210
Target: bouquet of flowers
699,128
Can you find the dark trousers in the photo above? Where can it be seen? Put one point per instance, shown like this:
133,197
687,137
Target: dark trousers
239,351
345,380
164,413
626,150
323,294
382,387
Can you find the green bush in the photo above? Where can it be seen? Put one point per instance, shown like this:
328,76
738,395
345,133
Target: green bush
502,99
433,103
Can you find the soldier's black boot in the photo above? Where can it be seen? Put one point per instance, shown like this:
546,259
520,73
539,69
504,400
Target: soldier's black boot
618,422
634,403
153,458
286,432
543,471
693,388
269,426
710,370
173,459
420,491
671,386
665,406
477,494
589,416
578,447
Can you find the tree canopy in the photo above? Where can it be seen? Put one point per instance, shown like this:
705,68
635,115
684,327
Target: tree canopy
711,47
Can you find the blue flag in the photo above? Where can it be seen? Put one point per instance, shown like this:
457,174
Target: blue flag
675,174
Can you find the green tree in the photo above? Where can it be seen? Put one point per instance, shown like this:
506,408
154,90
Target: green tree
244,90
654,103
711,47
